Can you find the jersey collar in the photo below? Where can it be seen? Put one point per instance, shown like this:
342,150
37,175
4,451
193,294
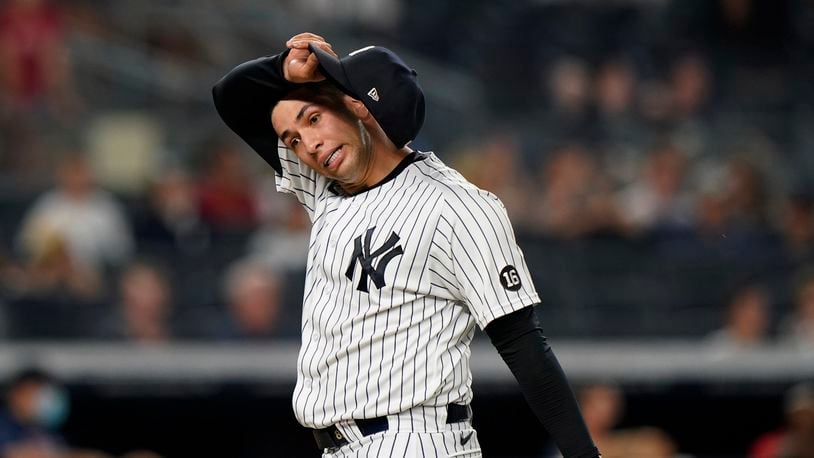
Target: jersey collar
414,156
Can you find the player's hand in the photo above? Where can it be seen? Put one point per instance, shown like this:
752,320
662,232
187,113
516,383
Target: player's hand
302,66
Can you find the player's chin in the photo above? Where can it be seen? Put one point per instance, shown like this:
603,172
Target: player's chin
326,172
331,174
342,172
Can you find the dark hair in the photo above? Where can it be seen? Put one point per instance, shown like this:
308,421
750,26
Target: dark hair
323,93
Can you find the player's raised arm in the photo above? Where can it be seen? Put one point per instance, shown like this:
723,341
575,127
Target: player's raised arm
245,95
519,339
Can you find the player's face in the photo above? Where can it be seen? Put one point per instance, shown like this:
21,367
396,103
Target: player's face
330,143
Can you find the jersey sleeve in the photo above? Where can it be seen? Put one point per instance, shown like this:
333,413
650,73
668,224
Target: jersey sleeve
244,97
491,272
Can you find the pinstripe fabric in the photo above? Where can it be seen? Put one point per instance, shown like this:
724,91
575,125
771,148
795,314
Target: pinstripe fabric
420,432
410,445
404,342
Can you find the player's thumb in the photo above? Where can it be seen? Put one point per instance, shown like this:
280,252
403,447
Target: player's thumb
311,67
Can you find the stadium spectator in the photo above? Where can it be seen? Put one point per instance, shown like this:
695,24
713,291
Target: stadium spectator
497,165
797,328
658,198
67,239
575,200
734,211
689,120
252,294
282,244
797,227
90,221
710,205
690,86
746,196
36,406
168,218
35,70
621,131
690,116
616,89
602,406
568,113
747,320
569,83
227,200
51,295
143,312
795,439
644,441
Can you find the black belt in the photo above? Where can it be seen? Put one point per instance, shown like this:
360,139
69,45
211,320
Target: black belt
331,437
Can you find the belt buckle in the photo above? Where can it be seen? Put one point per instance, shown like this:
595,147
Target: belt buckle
330,438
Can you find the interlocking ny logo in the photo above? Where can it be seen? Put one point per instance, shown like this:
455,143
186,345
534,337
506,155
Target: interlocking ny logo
361,253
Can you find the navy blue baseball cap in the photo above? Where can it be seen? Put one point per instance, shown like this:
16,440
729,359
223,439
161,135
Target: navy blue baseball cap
384,83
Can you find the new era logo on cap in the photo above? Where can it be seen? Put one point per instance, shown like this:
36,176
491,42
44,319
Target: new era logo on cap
371,74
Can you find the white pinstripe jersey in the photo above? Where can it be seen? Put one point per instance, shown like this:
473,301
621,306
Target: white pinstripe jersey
397,277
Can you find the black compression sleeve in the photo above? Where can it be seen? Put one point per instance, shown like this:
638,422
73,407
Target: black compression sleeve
519,339
244,97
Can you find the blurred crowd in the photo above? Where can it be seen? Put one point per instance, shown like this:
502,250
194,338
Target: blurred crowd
604,407
636,147
35,408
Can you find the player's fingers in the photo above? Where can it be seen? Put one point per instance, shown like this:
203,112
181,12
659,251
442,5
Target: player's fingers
301,40
303,70
293,66
293,61
304,45
311,66
299,54
296,44
307,36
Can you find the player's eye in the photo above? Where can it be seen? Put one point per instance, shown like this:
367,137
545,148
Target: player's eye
314,118
294,142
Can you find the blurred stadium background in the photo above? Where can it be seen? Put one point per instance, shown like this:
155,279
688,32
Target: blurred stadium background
654,155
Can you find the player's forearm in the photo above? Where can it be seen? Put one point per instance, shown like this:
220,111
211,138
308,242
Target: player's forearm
244,98
245,82
520,341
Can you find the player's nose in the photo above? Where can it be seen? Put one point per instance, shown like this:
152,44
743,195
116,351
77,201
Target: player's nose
313,143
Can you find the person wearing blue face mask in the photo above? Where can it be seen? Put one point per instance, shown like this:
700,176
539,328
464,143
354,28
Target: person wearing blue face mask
35,407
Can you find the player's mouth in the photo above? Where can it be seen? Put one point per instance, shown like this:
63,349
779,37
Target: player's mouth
333,159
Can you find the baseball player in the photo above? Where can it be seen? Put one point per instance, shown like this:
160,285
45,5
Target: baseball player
406,257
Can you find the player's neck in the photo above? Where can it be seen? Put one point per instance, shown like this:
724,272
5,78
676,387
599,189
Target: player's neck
384,159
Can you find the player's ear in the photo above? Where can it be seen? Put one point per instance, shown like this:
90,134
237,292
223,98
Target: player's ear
357,108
